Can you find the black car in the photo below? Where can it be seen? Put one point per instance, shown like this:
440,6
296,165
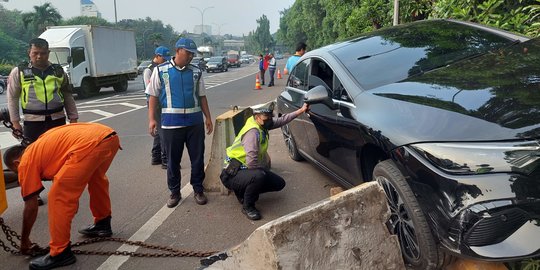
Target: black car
217,63
198,62
445,115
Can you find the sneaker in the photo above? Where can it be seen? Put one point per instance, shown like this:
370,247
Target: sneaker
102,228
200,198
164,166
251,212
49,262
156,161
174,200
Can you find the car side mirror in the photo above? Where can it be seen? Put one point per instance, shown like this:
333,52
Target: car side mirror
318,94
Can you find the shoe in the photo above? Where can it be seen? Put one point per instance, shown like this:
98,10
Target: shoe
40,201
174,200
102,228
164,166
251,212
49,262
200,198
155,161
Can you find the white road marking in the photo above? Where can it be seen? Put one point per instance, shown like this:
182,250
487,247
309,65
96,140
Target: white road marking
100,112
114,262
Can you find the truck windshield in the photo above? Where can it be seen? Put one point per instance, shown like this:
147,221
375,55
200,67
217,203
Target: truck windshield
59,56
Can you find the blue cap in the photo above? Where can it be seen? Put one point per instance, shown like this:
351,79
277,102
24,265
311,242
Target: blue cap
164,52
187,44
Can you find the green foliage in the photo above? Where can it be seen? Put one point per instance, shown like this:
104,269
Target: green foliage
42,17
261,41
84,20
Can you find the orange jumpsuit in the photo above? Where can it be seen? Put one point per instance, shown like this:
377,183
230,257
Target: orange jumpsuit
73,156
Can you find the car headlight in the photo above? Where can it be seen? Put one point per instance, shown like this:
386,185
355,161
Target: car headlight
481,158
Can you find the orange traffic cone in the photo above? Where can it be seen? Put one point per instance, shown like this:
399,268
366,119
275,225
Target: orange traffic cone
257,83
279,74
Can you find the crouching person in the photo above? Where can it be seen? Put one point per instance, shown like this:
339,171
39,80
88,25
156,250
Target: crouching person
73,157
247,172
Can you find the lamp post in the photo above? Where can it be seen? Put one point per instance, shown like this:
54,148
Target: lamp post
144,41
219,27
115,17
202,17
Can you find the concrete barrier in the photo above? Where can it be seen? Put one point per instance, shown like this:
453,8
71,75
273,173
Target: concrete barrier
345,231
226,127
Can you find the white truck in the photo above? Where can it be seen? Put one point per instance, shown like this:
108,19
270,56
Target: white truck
93,56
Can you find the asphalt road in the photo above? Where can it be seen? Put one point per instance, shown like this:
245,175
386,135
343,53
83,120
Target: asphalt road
139,191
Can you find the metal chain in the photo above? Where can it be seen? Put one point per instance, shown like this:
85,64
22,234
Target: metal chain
36,250
17,133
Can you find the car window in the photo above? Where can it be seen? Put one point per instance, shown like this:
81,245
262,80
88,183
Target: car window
298,77
321,74
77,55
339,92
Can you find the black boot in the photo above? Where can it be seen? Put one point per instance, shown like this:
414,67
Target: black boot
49,262
251,212
102,228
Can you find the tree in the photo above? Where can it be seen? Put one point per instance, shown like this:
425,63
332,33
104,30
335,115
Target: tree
42,17
262,39
85,20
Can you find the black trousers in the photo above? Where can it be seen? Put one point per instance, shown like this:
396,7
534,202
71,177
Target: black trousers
33,129
248,184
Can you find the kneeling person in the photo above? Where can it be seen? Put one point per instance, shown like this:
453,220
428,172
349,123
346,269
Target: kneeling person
73,156
247,172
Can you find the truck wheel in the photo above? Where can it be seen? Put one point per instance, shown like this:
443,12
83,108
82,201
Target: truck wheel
121,86
87,89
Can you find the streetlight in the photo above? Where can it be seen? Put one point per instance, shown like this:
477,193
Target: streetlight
202,17
115,17
219,27
144,41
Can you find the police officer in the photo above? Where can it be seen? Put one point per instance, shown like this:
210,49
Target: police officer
178,88
43,91
247,164
161,55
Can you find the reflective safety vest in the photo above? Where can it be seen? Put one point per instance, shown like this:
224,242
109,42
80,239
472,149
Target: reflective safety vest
42,96
237,151
179,96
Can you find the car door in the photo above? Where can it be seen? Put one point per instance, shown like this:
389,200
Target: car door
330,130
291,100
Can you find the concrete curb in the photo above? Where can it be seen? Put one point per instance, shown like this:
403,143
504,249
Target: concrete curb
345,231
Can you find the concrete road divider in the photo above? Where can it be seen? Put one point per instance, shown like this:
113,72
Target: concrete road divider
345,231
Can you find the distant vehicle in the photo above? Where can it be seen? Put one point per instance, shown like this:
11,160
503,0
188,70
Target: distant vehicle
233,57
206,51
246,59
217,63
93,56
143,66
199,62
3,83
278,56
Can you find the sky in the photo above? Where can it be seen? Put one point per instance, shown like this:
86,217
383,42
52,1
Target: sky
234,17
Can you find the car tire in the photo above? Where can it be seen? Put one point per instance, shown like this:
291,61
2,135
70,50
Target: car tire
87,89
2,88
291,144
121,86
407,221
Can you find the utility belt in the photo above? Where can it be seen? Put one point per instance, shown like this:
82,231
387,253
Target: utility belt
231,169
43,112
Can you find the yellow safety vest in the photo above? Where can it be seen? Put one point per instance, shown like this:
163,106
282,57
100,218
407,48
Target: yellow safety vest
42,96
237,151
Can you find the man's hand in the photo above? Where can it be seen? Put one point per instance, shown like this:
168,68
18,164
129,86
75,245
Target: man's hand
29,217
209,126
303,109
26,246
152,127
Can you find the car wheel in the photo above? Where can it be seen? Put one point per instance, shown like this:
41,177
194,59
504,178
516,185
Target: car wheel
291,144
87,89
121,86
407,220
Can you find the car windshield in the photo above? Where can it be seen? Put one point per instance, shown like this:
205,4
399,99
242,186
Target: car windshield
390,55
59,56
215,59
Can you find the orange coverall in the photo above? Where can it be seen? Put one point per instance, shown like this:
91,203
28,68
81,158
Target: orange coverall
73,156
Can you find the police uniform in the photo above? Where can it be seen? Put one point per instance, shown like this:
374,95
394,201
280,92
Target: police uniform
43,96
250,176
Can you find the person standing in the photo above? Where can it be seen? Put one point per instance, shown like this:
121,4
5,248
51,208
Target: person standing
271,68
43,91
247,164
73,156
262,69
291,62
179,89
161,54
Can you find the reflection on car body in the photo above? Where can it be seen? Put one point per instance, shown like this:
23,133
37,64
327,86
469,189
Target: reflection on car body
444,115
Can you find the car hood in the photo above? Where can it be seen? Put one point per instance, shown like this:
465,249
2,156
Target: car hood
492,97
